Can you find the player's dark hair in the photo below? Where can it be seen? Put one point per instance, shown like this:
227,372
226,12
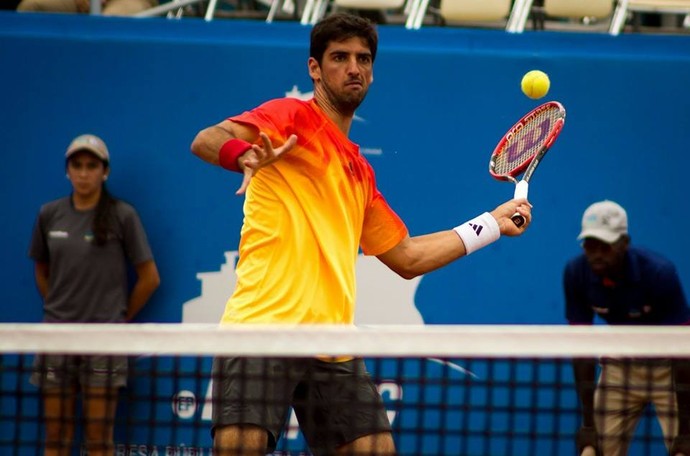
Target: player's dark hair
104,216
340,27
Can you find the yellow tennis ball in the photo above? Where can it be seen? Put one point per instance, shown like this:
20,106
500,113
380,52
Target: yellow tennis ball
535,84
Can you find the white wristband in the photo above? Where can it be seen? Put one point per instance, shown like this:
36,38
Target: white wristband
478,232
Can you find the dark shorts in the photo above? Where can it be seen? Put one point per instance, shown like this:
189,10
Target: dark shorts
64,371
335,403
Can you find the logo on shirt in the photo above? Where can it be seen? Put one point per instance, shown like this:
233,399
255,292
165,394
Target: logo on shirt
57,234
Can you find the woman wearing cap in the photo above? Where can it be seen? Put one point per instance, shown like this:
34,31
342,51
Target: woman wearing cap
82,245
625,285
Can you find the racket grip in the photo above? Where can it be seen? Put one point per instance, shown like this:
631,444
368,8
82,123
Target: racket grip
521,190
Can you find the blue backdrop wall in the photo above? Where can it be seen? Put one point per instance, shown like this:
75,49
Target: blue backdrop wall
441,100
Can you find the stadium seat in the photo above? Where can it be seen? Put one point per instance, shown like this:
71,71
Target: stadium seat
625,7
469,11
586,12
314,10
570,9
175,9
581,8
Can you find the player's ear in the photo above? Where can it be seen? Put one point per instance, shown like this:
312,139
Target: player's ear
314,69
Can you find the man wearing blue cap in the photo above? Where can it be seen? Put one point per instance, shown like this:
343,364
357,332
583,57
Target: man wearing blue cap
625,285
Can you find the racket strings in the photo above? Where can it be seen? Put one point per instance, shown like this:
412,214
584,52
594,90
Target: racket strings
525,142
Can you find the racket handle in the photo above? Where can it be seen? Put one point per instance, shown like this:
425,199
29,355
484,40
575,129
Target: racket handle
521,190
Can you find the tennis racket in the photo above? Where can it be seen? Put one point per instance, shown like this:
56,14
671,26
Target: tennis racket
523,147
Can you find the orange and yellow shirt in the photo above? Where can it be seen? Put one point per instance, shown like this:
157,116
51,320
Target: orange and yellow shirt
305,217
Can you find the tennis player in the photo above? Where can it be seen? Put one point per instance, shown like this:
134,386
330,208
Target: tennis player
311,202
624,285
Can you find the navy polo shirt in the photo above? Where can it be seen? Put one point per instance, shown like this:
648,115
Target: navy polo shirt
650,293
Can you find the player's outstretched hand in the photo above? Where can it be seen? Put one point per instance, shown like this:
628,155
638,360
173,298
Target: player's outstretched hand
259,156
504,213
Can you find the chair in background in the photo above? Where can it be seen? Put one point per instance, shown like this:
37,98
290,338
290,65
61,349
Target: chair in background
207,8
474,11
558,8
585,12
581,8
625,7
308,11
175,9
369,4
410,9
314,10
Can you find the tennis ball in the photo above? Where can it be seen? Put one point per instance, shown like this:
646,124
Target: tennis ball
535,84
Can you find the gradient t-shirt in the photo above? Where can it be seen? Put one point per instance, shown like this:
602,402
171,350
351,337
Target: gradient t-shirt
305,217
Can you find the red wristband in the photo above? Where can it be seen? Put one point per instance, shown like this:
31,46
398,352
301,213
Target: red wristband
230,152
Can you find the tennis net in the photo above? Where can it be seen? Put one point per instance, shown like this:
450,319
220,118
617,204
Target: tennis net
447,390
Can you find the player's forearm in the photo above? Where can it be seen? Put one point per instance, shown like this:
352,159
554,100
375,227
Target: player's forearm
422,254
226,144
147,282
141,293
41,274
42,286
584,370
208,142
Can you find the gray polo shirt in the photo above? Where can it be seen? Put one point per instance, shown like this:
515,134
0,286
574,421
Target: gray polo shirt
87,283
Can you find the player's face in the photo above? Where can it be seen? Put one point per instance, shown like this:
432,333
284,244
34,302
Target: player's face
345,73
605,259
86,172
